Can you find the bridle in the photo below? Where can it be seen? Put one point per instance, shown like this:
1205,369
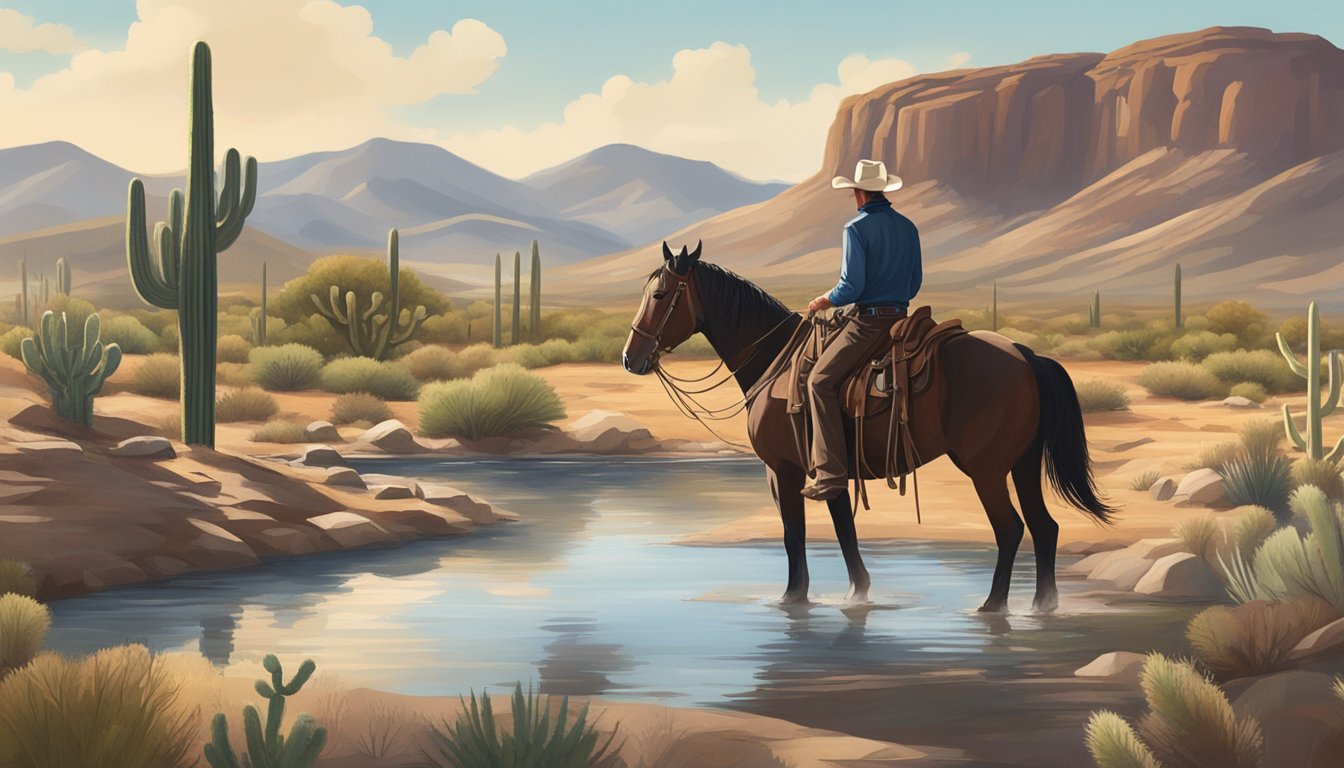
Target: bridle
685,289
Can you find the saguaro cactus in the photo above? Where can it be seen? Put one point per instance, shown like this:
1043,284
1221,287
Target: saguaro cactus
185,277
1317,408
1094,311
259,314
517,298
62,276
1176,297
994,306
534,294
23,316
74,372
499,311
376,331
269,748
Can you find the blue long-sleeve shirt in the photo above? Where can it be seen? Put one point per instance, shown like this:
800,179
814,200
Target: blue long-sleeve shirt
881,265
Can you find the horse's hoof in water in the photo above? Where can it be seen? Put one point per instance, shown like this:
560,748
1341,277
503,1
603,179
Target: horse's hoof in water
1045,604
793,598
994,606
857,596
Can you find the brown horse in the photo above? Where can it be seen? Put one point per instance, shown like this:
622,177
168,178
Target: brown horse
994,407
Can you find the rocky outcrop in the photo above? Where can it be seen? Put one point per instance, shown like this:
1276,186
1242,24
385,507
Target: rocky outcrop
390,436
1180,576
1118,665
1203,486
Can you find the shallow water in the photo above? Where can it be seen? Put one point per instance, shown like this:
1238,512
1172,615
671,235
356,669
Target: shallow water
587,595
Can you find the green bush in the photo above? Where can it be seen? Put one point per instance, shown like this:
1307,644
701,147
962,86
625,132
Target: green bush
1184,381
448,328
1215,456
1197,345
1321,473
118,707
1240,319
1251,390
286,368
1253,526
552,352
130,334
1254,638
1259,366
1190,723
278,431
1261,435
359,406
23,625
1197,534
159,375
1137,344
168,339
11,340
1287,565
233,349
496,401
1262,478
434,363
233,374
474,739
1144,480
245,404
388,380
1096,395
15,579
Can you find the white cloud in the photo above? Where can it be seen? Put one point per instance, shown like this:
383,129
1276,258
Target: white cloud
710,109
23,34
958,59
298,76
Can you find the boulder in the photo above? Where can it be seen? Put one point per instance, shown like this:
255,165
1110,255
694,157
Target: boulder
1237,401
1203,486
1124,572
1181,576
1092,562
607,431
1117,665
54,447
1154,549
1163,489
391,436
351,530
321,432
217,548
1299,714
393,491
144,447
345,477
319,456
288,541
1090,547
1326,639
463,503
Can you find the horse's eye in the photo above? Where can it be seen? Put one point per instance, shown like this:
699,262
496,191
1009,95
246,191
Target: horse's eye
659,295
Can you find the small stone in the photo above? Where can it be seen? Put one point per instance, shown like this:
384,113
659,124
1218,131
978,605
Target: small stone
344,476
53,447
351,530
1181,576
607,431
144,447
393,437
1327,638
1237,401
393,492
321,432
319,456
1203,486
1117,665
1163,489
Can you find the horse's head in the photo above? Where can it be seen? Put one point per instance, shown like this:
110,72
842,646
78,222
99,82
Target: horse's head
667,316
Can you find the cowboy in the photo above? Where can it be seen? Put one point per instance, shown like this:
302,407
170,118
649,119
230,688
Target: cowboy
880,272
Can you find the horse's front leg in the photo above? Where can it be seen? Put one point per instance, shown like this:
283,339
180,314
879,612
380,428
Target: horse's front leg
842,516
786,484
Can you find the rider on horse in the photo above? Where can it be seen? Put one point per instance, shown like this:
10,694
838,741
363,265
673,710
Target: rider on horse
880,273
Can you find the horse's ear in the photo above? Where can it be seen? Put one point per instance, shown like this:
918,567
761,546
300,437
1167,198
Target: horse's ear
695,255
683,252
667,252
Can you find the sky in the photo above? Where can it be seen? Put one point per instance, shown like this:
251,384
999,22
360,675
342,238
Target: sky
521,85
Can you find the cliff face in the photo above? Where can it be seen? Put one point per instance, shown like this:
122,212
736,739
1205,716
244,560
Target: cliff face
1055,123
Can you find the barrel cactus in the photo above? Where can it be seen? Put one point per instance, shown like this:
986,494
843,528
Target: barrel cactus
74,372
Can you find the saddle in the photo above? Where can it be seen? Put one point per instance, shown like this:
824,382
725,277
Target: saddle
900,368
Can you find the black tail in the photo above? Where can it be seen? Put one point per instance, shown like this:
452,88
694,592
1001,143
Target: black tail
1067,463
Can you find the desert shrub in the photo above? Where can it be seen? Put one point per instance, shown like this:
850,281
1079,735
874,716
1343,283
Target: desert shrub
1137,344
168,339
76,310
1254,638
1261,366
1097,395
233,374
448,328
311,331
280,431
1197,345
1288,565
1321,473
12,339
388,380
1253,526
359,406
432,363
245,404
698,346
159,375
383,730
286,368
1261,477
154,319
1215,456
232,349
598,348
130,334
23,626
1261,435
1197,534
1189,723
496,401
118,707
16,580
1240,319
1251,390
475,740
171,425
552,352
1076,349
1144,480
1185,381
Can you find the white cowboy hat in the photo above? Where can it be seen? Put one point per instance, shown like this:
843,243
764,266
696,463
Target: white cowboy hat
869,175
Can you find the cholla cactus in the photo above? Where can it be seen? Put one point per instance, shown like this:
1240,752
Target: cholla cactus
1318,407
375,331
270,749
74,372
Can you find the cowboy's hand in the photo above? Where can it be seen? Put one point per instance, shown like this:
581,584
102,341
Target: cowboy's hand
819,304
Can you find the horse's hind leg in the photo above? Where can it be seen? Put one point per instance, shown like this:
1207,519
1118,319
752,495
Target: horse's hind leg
842,515
993,492
1044,529
786,485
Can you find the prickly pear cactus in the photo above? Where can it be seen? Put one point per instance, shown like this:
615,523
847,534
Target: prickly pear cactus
269,748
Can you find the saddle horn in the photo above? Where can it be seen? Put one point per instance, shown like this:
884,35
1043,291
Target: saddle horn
667,252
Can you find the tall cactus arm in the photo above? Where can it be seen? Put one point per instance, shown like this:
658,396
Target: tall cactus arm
332,310
1291,357
1332,399
1290,428
149,281
1337,452
234,204
413,322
